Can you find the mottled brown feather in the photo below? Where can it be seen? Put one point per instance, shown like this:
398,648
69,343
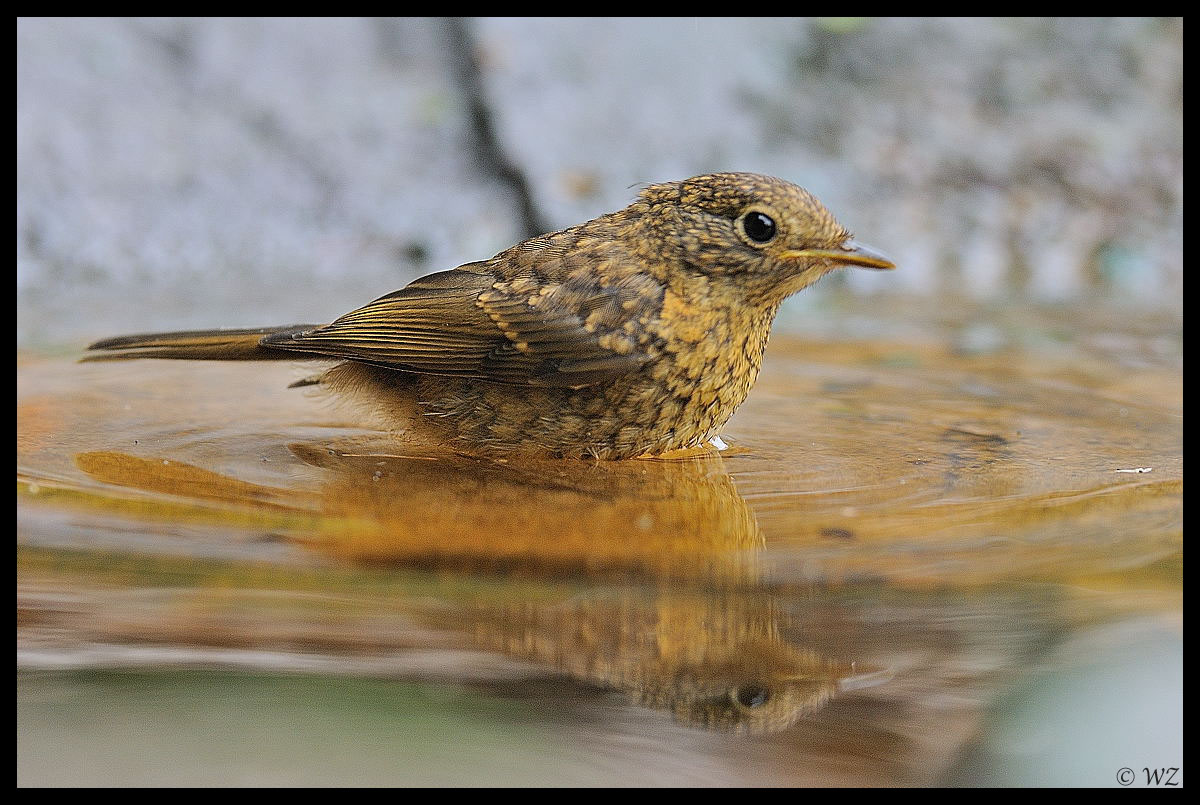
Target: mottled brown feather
538,320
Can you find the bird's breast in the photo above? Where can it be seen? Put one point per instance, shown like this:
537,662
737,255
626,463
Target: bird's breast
711,356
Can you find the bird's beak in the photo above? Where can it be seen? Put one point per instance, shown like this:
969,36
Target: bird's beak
851,253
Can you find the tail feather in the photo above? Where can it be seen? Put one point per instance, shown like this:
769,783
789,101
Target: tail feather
200,345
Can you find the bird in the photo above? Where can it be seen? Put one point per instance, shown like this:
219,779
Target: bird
638,333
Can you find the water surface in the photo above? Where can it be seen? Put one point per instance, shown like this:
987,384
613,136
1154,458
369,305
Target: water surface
925,521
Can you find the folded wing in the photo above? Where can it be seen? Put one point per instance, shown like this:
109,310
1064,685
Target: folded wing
469,322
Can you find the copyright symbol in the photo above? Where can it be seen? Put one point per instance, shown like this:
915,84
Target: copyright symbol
1125,776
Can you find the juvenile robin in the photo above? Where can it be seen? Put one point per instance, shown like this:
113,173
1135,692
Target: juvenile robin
637,333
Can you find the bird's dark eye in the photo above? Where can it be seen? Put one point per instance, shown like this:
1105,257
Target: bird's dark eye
758,226
751,696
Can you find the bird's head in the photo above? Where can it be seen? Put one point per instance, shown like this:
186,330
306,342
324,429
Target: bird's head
769,237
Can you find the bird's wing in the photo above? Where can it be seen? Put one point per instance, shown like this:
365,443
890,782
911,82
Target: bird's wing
470,322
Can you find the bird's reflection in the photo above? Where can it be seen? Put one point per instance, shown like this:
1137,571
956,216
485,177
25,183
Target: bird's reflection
659,557
715,660
661,518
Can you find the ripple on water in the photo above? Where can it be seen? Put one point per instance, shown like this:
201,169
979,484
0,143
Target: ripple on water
894,524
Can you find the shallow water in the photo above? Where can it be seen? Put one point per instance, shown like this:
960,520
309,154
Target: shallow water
921,534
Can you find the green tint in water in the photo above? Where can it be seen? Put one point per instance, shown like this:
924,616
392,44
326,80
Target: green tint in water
904,526
240,729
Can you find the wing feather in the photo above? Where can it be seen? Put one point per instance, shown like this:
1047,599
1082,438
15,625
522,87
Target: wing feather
469,322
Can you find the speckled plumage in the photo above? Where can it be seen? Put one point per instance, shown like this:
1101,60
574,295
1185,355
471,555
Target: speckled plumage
639,332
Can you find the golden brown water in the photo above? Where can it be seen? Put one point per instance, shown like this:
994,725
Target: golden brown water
905,525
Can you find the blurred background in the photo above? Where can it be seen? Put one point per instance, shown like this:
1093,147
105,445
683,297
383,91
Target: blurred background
196,173
964,478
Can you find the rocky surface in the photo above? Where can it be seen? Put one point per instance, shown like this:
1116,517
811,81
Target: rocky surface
179,173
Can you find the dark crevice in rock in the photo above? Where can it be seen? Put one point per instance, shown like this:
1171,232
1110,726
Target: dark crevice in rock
469,78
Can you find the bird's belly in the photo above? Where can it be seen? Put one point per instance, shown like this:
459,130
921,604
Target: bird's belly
651,413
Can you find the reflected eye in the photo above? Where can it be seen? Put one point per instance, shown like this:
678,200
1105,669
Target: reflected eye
759,227
751,696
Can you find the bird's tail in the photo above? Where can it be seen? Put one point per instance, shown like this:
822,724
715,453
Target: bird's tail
199,345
